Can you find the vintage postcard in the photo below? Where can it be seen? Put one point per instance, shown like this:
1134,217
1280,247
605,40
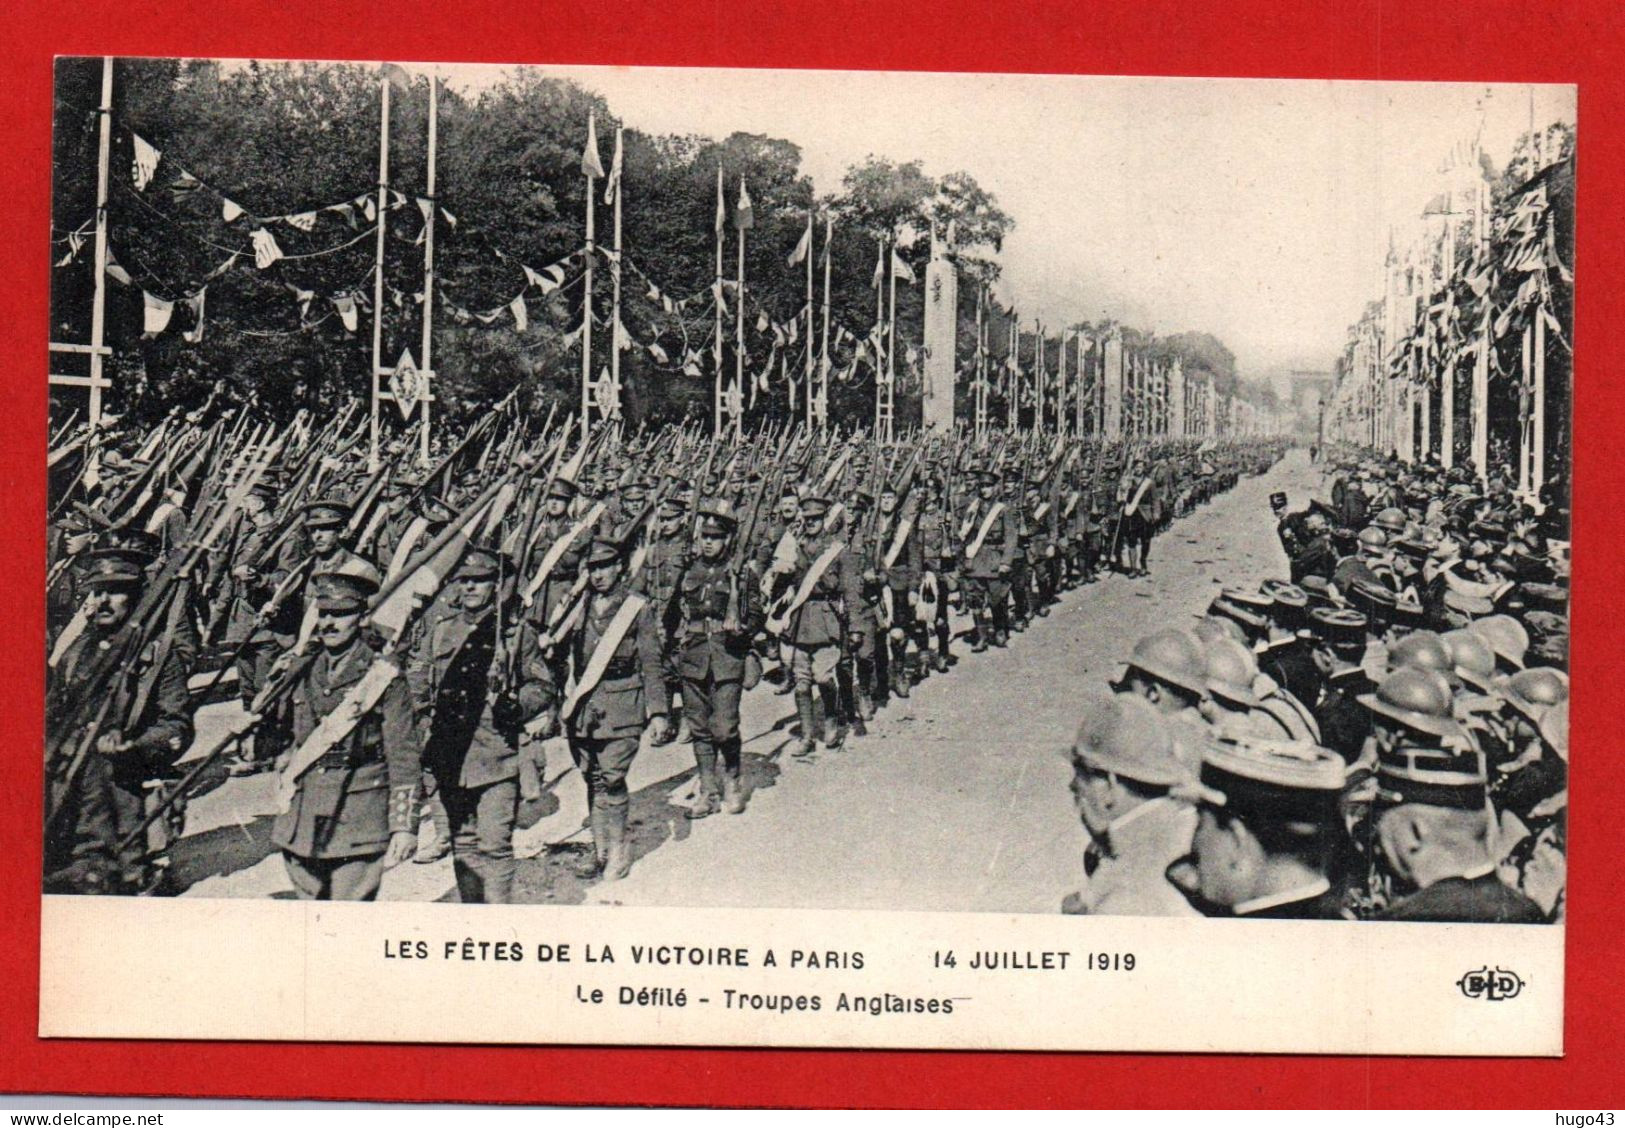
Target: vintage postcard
790,558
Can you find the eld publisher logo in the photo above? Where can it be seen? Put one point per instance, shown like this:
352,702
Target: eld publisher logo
1490,985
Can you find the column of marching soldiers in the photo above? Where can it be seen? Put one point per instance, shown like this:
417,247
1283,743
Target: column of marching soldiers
1382,733
404,641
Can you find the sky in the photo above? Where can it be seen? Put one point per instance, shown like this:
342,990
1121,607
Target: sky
1256,210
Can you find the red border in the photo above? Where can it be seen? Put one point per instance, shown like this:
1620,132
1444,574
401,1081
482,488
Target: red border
1550,41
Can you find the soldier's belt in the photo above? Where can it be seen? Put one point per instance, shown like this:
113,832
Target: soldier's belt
344,761
704,627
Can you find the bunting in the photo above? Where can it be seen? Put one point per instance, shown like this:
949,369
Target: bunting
144,163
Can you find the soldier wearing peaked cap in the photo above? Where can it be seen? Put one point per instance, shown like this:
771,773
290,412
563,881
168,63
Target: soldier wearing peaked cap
669,550
146,728
1267,832
350,788
1124,767
477,679
716,613
1433,830
615,653
816,608
1337,646
990,532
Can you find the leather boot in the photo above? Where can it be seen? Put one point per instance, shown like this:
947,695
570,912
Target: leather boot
983,634
705,774
899,672
619,861
733,794
468,869
591,863
834,730
808,719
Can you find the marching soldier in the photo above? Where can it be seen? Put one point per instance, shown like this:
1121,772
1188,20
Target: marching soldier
131,765
814,612
991,534
616,654
668,552
349,788
477,681
717,612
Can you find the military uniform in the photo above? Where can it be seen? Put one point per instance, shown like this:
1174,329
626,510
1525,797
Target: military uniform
475,693
818,630
716,614
150,715
363,790
605,721
990,532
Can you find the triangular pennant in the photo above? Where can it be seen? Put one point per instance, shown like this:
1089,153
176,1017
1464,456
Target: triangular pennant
155,314
194,335
345,303
230,211
145,162
590,164
521,316
304,221
116,272
659,353
266,250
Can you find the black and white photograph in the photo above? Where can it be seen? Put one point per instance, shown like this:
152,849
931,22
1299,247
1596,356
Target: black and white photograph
985,497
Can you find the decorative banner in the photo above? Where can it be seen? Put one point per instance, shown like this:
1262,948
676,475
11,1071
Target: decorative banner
116,272
304,221
145,162
899,268
155,314
521,317
229,211
744,218
407,384
266,250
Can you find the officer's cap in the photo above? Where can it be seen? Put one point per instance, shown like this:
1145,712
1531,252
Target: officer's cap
672,506
1293,783
479,564
113,569
1285,594
435,508
562,488
1436,777
814,506
605,551
328,513
717,517
1339,626
344,593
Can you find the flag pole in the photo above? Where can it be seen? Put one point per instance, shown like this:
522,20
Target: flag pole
1039,376
808,386
881,344
1013,377
979,400
716,351
615,282
823,364
891,348
428,272
586,300
378,269
738,397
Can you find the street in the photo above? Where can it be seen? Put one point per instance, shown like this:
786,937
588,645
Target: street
957,799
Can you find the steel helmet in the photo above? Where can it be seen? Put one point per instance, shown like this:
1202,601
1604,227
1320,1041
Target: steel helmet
1535,690
1554,729
1423,649
1471,657
1419,699
1124,735
1506,636
1210,628
1391,520
1173,657
1231,668
1373,538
